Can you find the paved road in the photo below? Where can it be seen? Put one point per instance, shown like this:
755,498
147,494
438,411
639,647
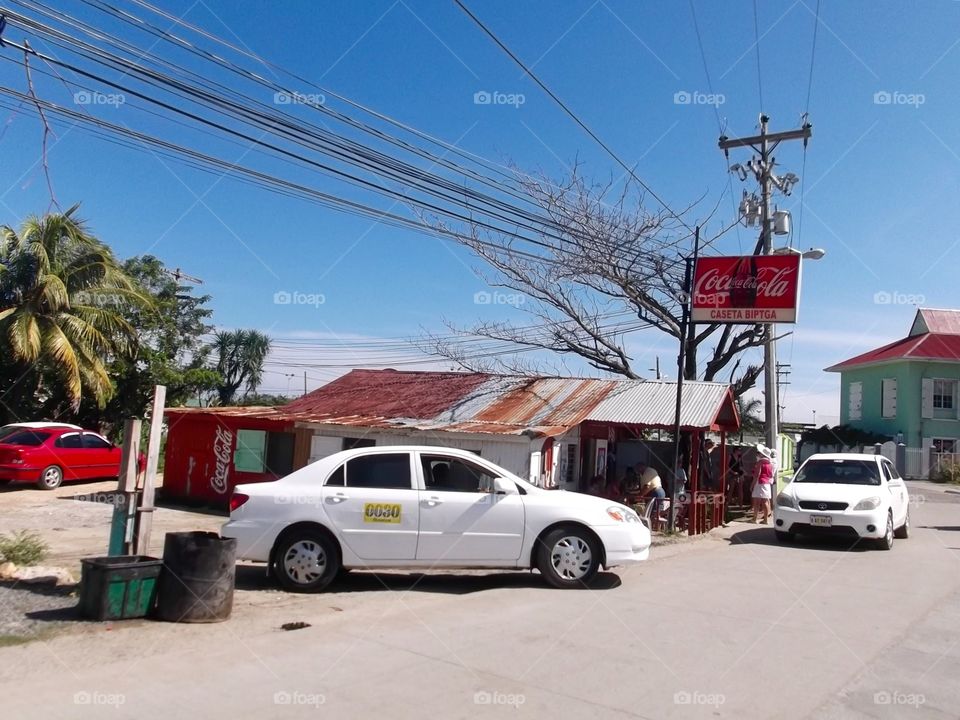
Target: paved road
731,626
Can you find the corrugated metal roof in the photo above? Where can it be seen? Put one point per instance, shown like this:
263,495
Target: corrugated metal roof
496,404
654,403
937,321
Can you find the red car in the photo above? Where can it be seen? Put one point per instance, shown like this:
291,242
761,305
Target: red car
49,454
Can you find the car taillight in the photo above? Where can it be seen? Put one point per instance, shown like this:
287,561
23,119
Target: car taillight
237,499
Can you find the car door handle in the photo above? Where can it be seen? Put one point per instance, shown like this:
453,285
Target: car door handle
433,501
338,498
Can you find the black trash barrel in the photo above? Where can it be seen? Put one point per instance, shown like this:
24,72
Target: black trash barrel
196,584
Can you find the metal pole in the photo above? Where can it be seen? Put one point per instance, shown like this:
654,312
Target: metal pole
771,399
685,324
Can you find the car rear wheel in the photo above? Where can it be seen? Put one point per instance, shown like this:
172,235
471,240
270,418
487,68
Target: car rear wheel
568,557
306,561
51,478
886,542
903,532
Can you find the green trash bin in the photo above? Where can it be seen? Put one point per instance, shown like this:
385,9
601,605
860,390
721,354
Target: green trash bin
119,587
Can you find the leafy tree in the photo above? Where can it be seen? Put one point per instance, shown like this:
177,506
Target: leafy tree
171,350
62,321
604,256
239,355
256,399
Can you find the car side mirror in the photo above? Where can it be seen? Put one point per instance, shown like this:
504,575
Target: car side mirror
502,486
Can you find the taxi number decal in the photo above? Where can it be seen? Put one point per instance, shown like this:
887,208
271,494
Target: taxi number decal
382,512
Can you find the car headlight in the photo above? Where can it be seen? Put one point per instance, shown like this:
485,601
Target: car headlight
786,500
870,503
623,514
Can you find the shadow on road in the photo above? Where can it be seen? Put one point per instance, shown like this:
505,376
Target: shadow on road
941,527
251,577
765,536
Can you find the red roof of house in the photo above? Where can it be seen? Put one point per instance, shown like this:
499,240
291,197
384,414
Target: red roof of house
929,346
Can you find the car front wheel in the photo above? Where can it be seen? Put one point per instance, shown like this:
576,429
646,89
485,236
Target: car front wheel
568,557
903,532
783,536
886,542
51,478
306,561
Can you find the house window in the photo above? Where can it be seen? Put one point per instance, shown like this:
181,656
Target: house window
259,451
944,445
944,398
888,399
251,452
855,401
350,443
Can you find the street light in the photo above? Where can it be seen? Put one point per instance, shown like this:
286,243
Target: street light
770,356
811,254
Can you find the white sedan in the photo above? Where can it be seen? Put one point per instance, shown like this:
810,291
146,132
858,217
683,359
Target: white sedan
857,496
425,507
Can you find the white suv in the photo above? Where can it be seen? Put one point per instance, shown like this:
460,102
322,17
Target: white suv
852,495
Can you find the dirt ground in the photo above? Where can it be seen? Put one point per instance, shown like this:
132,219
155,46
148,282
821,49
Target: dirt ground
75,522
74,519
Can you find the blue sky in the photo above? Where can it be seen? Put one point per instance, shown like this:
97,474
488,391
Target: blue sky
881,178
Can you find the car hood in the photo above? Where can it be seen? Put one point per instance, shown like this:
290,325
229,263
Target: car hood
833,491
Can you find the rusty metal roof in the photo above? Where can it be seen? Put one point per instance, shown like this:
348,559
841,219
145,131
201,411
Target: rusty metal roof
488,404
940,322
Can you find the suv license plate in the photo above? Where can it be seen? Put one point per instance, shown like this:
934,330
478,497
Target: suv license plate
821,520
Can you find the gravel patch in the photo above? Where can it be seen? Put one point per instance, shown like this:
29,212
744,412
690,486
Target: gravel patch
31,611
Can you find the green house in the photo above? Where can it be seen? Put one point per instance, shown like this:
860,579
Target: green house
908,390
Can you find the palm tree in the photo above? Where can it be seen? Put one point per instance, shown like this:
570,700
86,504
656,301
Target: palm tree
750,420
61,300
240,357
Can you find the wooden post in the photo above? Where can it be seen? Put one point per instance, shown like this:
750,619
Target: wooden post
121,526
723,479
695,512
144,522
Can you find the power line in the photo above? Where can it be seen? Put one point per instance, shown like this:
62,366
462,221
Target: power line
570,113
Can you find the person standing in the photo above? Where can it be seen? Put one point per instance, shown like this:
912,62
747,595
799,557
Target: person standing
708,477
762,488
735,468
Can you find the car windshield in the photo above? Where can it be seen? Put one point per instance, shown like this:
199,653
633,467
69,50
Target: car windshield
30,438
840,472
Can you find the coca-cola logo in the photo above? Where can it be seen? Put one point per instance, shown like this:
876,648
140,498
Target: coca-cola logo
222,445
714,287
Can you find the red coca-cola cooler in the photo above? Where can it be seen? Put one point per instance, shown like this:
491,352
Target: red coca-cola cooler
209,451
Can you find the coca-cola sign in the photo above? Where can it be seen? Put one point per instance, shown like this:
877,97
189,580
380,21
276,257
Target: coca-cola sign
222,453
748,289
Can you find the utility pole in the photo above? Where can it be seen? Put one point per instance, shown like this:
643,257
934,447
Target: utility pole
783,372
763,170
686,326
304,382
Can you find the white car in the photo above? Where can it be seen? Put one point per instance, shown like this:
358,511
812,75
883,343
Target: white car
852,495
425,507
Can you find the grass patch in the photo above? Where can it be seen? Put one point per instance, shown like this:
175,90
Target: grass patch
23,548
